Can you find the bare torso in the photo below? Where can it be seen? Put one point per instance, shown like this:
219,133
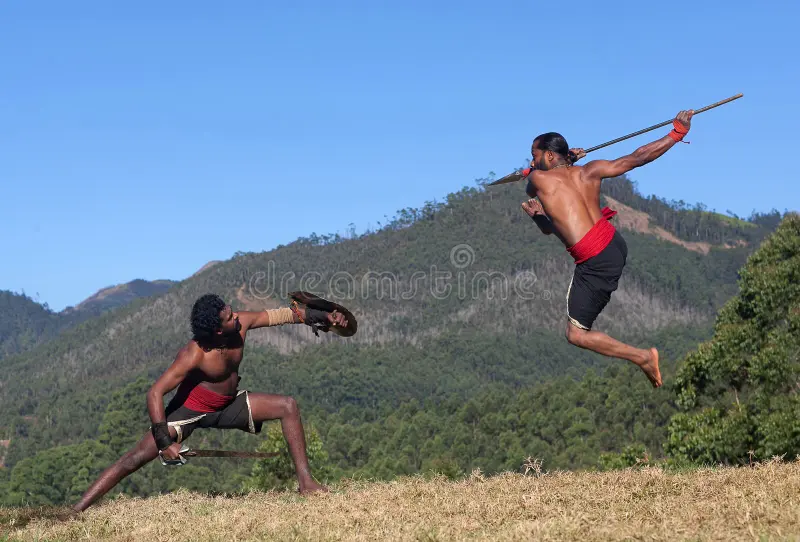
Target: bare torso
570,200
218,368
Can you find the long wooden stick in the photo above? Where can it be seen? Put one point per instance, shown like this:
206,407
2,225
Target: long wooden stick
518,175
660,124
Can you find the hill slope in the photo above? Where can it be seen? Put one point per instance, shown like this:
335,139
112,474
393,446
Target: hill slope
119,295
25,324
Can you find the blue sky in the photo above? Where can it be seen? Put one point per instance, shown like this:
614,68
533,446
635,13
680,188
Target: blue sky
143,140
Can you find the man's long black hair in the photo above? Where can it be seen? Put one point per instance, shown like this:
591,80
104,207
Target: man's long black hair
553,142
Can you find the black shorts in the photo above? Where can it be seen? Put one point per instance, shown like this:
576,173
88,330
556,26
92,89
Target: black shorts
236,415
593,282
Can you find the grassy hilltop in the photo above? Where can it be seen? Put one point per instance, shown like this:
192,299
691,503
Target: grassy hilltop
762,503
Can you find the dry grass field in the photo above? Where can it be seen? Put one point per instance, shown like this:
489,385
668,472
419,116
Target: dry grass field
759,503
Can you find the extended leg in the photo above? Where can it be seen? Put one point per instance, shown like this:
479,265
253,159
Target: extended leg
280,407
589,292
599,342
134,459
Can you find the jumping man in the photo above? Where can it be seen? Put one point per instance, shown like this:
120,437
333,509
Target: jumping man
206,373
565,201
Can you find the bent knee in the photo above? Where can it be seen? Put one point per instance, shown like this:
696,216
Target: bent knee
290,406
575,335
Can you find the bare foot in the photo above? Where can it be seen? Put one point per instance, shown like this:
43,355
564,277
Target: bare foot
311,486
650,368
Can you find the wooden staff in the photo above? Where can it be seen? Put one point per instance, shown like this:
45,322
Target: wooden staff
665,123
518,176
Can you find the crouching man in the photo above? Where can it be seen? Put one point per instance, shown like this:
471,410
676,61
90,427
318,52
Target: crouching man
206,373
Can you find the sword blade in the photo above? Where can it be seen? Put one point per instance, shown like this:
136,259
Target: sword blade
228,453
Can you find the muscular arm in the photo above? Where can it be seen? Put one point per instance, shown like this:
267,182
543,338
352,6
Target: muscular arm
284,315
604,169
185,361
274,317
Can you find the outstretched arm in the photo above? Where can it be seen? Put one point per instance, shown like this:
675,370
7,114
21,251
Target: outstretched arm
605,169
269,318
285,315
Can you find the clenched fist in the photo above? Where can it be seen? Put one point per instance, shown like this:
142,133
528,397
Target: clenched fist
533,207
685,118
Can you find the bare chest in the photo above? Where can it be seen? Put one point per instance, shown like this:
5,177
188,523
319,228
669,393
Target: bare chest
219,365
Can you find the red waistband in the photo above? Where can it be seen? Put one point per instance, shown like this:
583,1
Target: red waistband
595,240
202,399
608,212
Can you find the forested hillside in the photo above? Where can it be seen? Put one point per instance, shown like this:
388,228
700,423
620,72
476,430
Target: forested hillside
461,308
24,323
738,393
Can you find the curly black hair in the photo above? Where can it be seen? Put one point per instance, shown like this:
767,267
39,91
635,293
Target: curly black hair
205,317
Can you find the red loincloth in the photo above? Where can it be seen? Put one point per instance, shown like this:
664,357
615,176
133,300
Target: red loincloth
595,240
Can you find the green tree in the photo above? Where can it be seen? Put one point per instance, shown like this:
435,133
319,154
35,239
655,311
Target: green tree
631,456
57,475
278,472
5,474
126,418
738,392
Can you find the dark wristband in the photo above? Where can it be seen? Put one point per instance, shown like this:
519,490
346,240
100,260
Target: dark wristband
160,432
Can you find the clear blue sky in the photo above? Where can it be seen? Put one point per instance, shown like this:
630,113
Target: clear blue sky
143,140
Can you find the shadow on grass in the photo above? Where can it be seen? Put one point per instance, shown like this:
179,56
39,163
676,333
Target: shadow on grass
16,518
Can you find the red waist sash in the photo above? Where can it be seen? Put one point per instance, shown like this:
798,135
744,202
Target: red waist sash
595,240
202,399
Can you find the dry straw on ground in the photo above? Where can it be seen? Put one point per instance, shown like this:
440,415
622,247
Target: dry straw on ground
761,503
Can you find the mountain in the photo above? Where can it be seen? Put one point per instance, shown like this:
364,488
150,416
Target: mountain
119,295
25,324
460,303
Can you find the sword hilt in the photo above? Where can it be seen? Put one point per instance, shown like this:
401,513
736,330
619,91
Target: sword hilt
184,451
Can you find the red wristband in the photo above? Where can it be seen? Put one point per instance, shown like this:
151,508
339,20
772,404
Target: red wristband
678,131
